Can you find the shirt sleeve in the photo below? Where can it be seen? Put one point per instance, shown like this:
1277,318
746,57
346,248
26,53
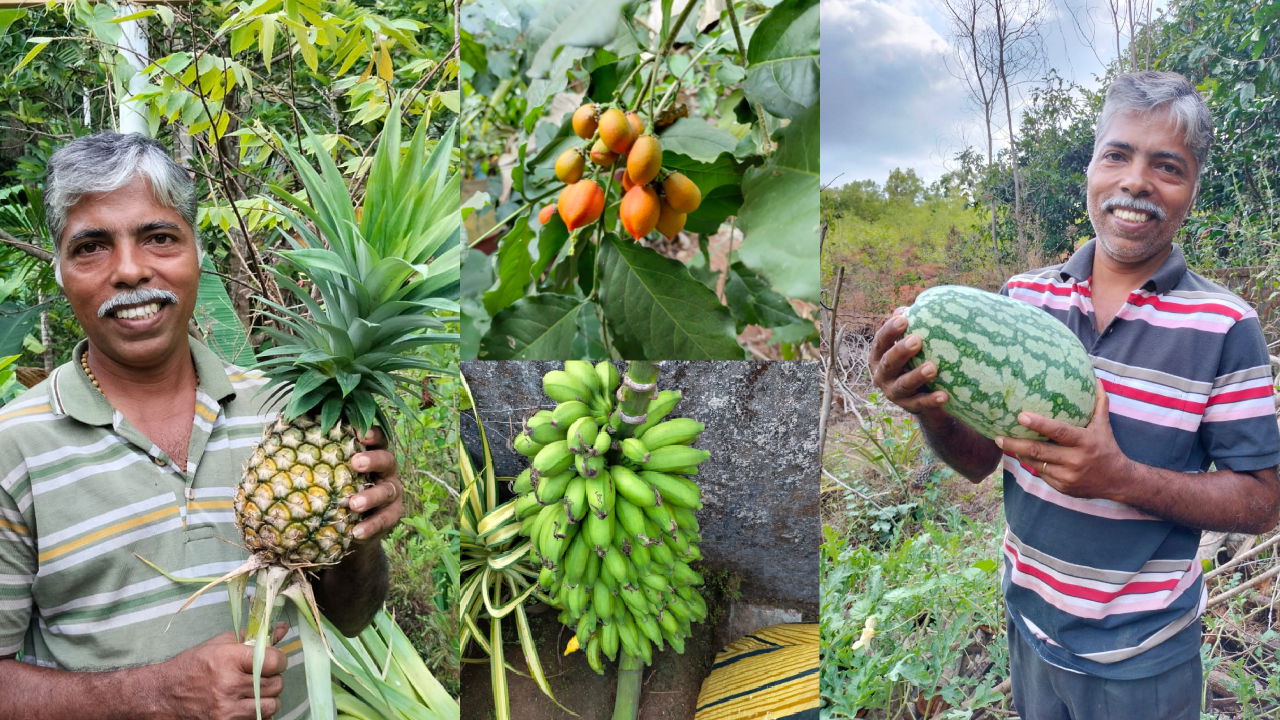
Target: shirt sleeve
1239,429
17,552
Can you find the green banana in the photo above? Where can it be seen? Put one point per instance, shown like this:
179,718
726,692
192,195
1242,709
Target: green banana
609,640
526,445
674,490
679,431
635,451
563,387
599,532
575,498
630,517
673,457
553,458
522,484
659,407
585,373
602,602
575,561
603,442
582,434
600,494
630,486
566,413
551,489
594,660
609,377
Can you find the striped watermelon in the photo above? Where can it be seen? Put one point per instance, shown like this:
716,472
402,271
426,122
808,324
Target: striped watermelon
997,356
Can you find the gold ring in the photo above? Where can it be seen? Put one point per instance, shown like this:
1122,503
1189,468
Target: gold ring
1044,465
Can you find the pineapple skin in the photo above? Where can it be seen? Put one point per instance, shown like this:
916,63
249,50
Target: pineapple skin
292,503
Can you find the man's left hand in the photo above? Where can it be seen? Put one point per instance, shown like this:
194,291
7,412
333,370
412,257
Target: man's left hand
382,503
1082,462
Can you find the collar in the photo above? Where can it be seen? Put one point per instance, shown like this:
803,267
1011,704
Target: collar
71,393
1080,268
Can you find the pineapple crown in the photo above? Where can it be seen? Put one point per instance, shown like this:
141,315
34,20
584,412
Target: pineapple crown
383,278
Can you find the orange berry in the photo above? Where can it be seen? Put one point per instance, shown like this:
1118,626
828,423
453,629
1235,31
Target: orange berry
580,203
644,160
569,166
681,192
640,210
584,121
544,215
637,123
601,155
670,222
616,131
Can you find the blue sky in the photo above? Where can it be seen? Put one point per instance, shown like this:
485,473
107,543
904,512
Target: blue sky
890,100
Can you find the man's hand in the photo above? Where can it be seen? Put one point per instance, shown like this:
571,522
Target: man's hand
891,354
971,454
215,679
1082,462
382,503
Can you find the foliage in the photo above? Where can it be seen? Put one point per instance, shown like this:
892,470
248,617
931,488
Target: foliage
933,595
898,239
733,97
497,576
228,86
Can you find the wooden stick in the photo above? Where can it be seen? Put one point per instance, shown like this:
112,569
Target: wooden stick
831,363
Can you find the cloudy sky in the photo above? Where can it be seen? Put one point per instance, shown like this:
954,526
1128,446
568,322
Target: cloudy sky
890,97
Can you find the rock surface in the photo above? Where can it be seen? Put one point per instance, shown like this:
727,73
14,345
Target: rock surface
760,488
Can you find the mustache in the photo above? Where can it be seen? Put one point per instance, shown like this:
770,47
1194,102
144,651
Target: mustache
1132,203
136,297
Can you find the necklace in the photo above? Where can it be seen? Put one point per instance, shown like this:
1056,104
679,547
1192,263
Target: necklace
88,372
84,363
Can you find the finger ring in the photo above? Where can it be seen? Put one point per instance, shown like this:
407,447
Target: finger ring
1044,465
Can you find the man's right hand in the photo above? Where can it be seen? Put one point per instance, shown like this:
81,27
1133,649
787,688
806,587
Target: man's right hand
215,679
891,353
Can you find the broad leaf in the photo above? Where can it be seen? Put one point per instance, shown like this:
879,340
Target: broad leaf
782,74
514,264
779,217
541,327
477,274
752,302
697,140
216,316
656,309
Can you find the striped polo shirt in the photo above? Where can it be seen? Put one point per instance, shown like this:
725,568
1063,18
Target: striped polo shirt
1098,586
83,494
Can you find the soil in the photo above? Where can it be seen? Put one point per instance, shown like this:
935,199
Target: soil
670,690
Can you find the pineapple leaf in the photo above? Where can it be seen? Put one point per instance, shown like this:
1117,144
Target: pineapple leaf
330,413
308,381
317,259
347,381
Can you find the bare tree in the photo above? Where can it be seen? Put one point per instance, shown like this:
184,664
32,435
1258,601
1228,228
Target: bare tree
998,44
1018,50
974,55
1131,47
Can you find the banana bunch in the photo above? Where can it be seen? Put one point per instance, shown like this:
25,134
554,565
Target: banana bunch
612,521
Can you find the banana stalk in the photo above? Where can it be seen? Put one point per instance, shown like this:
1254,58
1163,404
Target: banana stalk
630,676
638,386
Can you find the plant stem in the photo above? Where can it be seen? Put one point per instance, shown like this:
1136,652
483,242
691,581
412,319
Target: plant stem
661,55
634,402
512,216
630,675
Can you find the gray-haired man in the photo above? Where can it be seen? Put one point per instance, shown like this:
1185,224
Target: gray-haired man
134,447
1102,587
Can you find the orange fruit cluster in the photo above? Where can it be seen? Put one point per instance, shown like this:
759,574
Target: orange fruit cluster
648,202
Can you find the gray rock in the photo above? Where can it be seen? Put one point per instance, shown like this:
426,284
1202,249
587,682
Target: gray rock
760,487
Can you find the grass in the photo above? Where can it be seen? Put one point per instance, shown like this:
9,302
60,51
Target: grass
423,549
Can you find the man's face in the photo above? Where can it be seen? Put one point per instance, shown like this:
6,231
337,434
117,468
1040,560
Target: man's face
124,241
1142,181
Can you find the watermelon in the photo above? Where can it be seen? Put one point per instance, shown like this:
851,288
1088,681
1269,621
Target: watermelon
997,356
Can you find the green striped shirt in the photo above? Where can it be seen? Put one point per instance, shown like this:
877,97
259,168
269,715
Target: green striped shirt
84,494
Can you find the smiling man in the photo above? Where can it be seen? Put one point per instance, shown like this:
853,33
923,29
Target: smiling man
133,449
1103,590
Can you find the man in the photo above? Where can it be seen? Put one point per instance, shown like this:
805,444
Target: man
134,447
1102,589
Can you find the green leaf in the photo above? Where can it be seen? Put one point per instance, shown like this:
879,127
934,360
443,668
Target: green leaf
540,327
15,323
40,45
656,309
782,69
216,317
779,217
573,23
752,302
477,275
697,140
514,266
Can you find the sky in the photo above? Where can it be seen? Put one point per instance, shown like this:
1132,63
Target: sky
889,95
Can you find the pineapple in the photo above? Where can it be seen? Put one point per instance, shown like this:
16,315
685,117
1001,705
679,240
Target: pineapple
383,284
292,502
382,274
